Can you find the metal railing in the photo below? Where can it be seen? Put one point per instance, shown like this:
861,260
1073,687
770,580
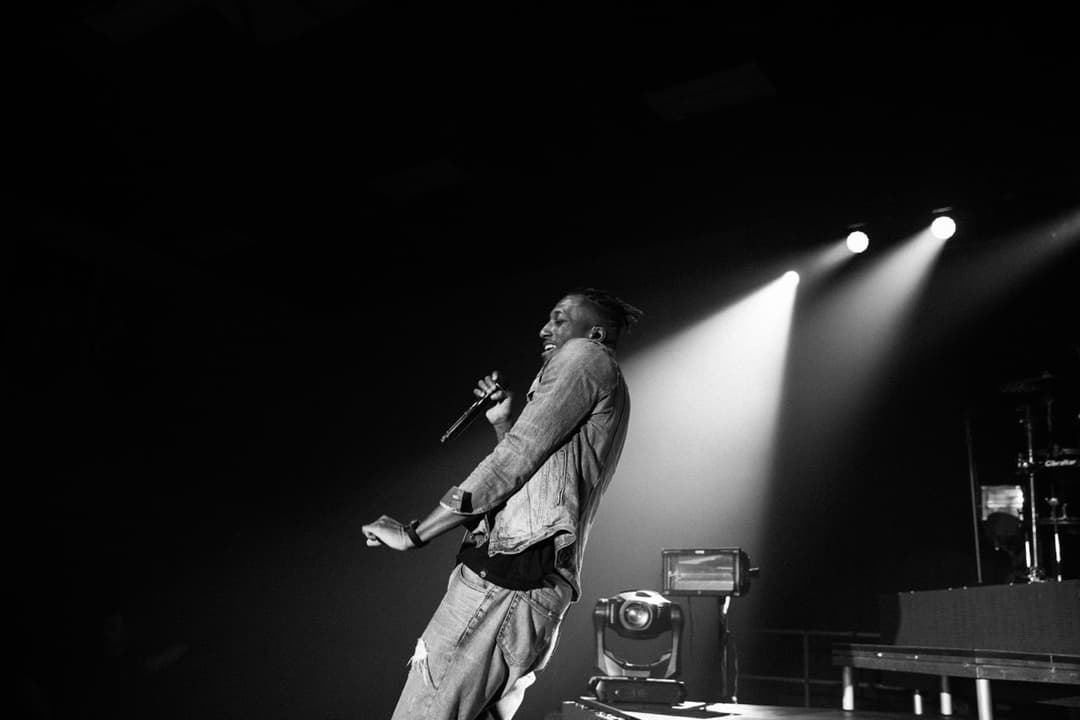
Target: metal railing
804,678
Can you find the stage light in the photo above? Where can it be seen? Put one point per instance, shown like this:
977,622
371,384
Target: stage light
943,227
721,572
637,615
858,241
791,277
707,571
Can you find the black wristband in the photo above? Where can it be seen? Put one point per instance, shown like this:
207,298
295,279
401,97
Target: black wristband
410,530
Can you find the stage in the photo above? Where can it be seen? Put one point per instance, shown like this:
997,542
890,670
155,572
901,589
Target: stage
585,708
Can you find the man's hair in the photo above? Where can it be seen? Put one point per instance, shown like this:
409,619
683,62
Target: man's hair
613,311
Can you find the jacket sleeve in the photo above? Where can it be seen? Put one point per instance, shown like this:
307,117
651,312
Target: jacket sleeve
575,378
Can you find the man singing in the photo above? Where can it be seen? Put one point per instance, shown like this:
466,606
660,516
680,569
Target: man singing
528,508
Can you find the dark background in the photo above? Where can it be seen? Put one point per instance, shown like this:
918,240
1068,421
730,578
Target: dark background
261,251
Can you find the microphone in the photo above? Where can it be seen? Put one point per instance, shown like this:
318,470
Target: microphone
469,415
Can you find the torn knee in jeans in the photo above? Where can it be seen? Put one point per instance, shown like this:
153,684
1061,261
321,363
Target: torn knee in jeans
419,661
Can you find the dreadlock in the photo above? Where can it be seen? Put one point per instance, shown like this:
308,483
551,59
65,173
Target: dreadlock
619,314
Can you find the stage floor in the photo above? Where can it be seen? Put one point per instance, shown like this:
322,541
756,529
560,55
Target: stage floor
585,708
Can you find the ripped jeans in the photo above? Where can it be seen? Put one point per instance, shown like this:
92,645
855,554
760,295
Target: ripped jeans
481,650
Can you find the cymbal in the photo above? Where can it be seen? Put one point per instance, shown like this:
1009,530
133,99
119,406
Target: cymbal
1060,521
1040,385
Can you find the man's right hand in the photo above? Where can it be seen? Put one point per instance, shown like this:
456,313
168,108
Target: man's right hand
499,413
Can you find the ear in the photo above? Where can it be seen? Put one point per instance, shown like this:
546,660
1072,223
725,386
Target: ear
597,333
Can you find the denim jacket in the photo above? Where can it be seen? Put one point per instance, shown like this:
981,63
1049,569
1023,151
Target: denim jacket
547,474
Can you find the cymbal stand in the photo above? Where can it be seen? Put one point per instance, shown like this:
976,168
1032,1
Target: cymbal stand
1053,501
975,502
1031,546
1055,520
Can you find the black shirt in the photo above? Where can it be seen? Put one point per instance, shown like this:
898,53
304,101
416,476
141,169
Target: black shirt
525,570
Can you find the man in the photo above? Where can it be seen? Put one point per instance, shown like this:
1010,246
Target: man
528,507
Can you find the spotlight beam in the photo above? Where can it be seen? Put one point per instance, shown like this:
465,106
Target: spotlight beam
706,406
853,336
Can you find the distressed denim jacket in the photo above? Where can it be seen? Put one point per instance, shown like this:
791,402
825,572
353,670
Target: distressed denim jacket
547,474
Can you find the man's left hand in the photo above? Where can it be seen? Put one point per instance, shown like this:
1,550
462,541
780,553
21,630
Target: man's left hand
389,532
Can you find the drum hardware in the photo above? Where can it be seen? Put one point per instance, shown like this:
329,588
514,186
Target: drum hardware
1031,546
1067,522
1046,466
1055,521
1060,462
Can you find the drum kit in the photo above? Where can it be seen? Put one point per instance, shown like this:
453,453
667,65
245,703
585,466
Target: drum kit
1047,471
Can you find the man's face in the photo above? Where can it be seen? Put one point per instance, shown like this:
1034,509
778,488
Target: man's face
572,317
